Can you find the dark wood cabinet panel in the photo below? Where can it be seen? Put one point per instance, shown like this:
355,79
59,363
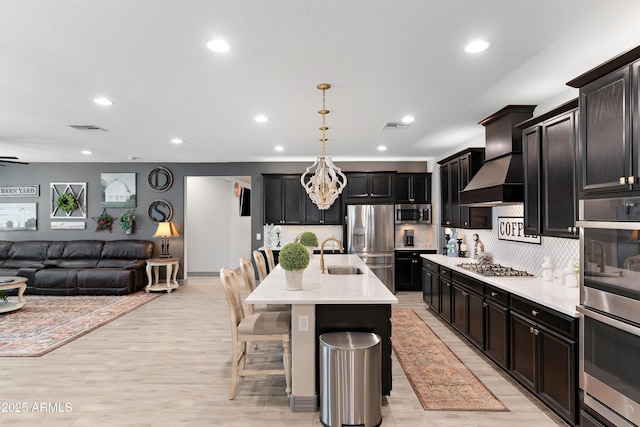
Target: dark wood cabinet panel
408,270
455,173
557,377
445,298
460,304
523,351
475,331
313,215
413,188
283,202
292,197
273,205
532,178
558,177
368,187
497,332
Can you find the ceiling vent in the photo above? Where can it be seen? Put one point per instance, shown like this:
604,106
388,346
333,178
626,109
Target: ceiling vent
395,125
88,128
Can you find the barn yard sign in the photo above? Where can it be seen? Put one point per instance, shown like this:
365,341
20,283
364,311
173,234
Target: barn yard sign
512,228
19,190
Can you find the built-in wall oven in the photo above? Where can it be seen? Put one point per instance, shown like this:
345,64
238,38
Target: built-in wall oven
610,308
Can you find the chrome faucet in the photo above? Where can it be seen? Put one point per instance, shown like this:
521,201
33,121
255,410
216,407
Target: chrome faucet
322,251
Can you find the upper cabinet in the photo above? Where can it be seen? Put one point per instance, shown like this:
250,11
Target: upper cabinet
283,202
455,173
549,150
609,133
413,188
376,187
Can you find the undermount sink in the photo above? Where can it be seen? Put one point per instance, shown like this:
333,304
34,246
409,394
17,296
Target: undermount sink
343,269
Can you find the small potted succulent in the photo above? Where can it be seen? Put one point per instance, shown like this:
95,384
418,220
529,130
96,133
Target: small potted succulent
126,221
294,258
310,241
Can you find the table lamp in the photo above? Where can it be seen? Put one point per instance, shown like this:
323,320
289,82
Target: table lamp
165,231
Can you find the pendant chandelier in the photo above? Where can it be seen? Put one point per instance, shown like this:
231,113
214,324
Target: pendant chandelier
323,181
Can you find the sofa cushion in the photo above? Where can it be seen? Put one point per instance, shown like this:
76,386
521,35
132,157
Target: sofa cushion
4,250
56,281
127,249
24,254
81,254
105,281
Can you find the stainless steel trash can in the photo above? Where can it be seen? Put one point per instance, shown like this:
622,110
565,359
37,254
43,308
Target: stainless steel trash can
350,379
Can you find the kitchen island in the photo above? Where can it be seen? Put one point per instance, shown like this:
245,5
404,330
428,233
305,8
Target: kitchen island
328,302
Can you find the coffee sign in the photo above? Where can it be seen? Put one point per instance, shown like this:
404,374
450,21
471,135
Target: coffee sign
512,228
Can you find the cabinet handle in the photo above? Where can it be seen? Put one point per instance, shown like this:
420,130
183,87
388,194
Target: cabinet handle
535,313
623,180
448,285
631,180
466,223
494,294
465,294
569,229
533,330
485,305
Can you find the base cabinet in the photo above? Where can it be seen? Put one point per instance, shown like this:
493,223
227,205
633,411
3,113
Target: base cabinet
408,270
496,322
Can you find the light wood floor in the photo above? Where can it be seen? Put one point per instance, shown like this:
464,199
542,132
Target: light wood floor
168,364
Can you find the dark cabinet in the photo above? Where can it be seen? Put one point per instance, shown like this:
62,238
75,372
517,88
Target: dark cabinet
609,120
430,284
467,308
413,188
455,173
313,215
549,147
370,187
409,270
543,355
283,203
496,321
445,293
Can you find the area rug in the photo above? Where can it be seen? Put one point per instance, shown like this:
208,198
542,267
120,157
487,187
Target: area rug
48,322
439,378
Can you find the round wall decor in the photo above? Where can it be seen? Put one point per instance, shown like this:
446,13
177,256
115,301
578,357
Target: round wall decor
160,179
160,211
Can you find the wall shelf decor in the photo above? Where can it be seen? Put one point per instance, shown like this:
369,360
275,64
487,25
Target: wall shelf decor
160,179
68,225
160,211
78,190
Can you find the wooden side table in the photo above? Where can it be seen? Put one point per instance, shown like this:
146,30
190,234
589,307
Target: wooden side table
13,282
172,265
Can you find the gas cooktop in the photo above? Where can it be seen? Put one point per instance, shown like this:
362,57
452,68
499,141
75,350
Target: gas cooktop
494,270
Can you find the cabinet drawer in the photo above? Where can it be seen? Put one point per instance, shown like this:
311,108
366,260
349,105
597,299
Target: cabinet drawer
497,295
444,272
555,321
468,282
431,266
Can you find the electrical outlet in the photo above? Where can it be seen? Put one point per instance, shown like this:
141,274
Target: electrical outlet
303,323
258,236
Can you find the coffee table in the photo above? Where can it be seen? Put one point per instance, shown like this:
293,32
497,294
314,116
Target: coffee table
13,282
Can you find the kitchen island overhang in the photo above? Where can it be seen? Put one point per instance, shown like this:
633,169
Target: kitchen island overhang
358,302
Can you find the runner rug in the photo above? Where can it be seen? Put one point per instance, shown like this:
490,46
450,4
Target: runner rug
439,378
48,322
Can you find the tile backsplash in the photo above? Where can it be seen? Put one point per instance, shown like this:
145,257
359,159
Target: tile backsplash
522,256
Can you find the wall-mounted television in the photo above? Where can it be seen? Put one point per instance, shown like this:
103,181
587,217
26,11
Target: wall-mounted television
245,202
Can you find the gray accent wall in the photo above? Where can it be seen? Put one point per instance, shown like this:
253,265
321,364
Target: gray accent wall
43,174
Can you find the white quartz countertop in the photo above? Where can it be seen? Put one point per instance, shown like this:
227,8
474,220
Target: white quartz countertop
415,248
325,288
556,297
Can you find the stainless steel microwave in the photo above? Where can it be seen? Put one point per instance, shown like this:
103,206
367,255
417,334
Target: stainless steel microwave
413,214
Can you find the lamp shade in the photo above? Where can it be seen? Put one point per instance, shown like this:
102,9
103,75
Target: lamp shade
166,229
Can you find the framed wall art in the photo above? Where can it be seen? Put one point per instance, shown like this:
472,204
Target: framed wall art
19,190
160,211
18,217
118,190
68,200
160,179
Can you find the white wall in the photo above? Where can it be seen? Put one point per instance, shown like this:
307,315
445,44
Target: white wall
216,235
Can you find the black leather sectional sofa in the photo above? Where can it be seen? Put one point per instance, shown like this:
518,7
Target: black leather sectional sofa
78,267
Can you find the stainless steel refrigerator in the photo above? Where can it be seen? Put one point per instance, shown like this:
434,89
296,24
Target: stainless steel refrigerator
370,235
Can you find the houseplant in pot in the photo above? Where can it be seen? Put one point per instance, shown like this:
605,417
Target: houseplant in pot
294,258
309,240
126,221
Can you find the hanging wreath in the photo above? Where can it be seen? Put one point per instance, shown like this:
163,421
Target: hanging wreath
67,202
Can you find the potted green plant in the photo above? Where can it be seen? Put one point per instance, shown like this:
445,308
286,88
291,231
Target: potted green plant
294,258
309,240
126,221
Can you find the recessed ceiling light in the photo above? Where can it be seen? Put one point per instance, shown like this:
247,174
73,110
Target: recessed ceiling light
261,119
218,45
86,152
408,119
476,46
177,140
279,148
382,148
103,101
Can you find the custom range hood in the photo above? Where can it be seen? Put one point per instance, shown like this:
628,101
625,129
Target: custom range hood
500,180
